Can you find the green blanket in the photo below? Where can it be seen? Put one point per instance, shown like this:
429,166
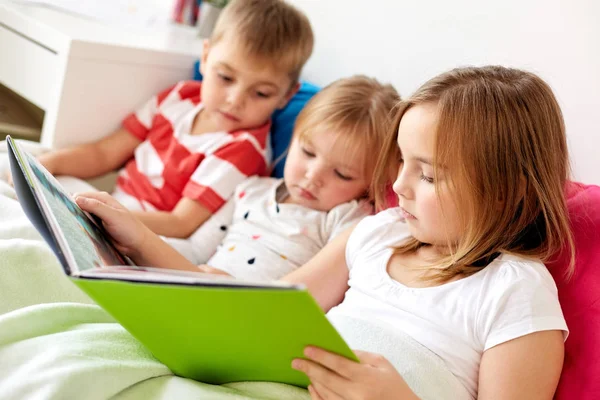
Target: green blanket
77,351
55,343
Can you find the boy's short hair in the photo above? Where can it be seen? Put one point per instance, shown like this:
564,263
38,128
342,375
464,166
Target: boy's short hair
269,29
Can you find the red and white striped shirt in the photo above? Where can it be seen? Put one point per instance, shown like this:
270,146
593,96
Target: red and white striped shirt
171,163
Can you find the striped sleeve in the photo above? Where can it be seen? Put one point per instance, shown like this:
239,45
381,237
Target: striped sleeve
139,123
217,176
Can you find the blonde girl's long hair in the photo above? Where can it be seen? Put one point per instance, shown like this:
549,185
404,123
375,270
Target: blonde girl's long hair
501,138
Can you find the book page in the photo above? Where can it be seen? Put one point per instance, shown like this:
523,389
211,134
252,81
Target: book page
163,275
89,246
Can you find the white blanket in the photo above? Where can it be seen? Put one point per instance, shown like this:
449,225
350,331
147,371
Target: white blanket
55,343
423,371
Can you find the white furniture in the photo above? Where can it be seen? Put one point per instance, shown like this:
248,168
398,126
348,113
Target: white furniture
86,75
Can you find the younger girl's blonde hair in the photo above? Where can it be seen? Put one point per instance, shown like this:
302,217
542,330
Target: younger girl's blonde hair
501,139
360,110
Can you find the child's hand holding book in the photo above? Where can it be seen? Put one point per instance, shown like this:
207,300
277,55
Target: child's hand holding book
210,270
8,177
128,233
130,236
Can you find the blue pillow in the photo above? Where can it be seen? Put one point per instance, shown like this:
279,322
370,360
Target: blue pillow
283,121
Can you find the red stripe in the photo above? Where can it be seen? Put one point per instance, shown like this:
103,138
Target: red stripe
178,162
190,90
138,186
244,156
133,125
204,195
178,172
163,140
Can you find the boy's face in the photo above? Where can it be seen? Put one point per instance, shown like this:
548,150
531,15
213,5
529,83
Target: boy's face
238,91
319,173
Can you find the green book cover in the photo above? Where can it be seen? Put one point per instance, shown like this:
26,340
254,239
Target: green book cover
206,327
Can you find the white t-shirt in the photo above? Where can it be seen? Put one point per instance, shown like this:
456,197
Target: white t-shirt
458,321
267,239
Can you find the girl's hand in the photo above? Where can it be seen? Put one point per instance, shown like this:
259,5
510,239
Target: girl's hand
128,233
210,270
336,377
46,159
8,177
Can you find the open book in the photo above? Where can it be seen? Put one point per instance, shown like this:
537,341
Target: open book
211,328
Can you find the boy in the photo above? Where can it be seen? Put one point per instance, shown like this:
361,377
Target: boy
189,147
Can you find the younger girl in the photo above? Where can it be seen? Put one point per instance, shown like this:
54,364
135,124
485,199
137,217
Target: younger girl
272,226
482,163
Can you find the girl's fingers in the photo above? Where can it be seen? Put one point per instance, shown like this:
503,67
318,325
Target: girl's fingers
343,366
102,197
97,207
314,395
321,376
324,393
210,270
9,180
371,358
121,248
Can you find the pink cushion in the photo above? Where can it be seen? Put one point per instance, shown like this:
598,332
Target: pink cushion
580,296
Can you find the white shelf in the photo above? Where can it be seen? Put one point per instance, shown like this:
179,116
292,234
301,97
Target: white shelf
87,75
56,29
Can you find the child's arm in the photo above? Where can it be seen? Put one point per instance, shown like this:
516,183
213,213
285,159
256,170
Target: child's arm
130,235
326,274
181,222
527,367
92,159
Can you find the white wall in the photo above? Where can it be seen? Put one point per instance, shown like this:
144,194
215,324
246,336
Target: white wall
406,42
